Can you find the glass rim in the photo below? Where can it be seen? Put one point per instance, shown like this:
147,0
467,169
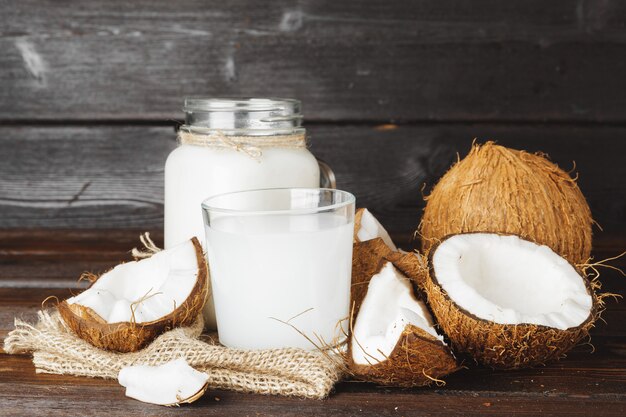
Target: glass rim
351,199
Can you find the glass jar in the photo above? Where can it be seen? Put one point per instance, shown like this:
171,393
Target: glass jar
229,145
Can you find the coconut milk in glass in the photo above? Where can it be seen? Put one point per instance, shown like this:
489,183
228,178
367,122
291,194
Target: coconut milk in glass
231,145
280,263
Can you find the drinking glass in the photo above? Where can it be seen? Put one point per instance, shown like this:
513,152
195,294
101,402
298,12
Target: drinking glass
280,263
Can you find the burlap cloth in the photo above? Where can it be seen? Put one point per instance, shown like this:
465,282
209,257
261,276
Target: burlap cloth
291,372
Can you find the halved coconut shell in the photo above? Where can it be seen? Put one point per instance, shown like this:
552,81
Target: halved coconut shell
131,336
497,345
418,357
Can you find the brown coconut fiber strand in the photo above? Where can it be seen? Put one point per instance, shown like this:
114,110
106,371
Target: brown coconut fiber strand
501,190
289,372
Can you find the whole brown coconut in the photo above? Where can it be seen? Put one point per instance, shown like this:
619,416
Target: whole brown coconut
129,336
501,190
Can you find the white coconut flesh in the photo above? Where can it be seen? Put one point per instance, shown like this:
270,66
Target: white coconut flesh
172,383
146,290
388,307
371,229
508,280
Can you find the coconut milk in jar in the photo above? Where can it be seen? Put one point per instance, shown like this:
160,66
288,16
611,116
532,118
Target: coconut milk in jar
231,145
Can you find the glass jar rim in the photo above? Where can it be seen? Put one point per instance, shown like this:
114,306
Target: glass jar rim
229,104
240,116
346,199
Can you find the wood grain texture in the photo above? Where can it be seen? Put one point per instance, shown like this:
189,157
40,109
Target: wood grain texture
375,60
112,176
91,174
60,398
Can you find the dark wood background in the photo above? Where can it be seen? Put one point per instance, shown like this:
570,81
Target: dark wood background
90,93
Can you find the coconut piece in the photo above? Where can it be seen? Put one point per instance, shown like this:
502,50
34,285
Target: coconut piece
366,260
127,307
367,227
170,384
501,190
393,340
507,302
408,355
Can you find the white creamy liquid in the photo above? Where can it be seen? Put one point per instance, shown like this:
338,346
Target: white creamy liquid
194,173
267,269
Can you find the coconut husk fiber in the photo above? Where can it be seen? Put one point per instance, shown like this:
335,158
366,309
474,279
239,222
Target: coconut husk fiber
290,372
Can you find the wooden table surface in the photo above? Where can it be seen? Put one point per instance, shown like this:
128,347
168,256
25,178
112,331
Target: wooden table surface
36,264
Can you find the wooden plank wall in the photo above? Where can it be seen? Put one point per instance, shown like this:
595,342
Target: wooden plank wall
90,93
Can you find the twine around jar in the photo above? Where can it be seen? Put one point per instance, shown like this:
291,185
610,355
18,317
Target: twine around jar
250,145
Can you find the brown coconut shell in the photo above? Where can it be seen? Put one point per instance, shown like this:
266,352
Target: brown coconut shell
129,336
413,265
501,190
358,215
502,346
191,399
418,358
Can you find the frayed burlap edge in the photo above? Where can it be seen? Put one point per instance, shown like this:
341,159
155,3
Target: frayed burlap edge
289,372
